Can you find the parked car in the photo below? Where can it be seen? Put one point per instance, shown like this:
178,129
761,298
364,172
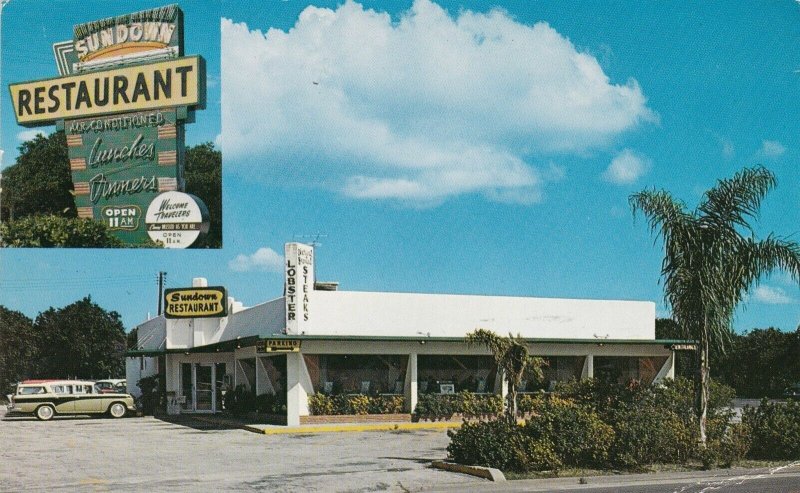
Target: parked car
792,392
112,386
46,398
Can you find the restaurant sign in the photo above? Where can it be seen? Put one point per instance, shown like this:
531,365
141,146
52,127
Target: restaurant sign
125,93
195,302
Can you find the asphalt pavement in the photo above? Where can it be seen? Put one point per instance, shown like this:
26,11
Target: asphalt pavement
185,454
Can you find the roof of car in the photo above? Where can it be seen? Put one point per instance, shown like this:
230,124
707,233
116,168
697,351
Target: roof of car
56,382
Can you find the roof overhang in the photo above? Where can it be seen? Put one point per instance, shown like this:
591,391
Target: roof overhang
231,345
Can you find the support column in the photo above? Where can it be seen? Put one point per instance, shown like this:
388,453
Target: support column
410,387
298,383
588,367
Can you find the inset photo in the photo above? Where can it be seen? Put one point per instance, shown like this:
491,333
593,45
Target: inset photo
110,124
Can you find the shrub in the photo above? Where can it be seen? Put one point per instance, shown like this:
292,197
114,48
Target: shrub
320,405
501,445
647,434
326,405
775,430
469,404
728,449
386,404
528,403
271,404
151,397
578,435
241,401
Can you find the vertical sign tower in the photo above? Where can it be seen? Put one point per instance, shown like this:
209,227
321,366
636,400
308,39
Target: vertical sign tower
125,93
298,286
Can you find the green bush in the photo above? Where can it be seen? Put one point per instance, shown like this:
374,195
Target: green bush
468,404
775,429
240,401
57,231
331,405
528,403
271,404
578,435
727,450
502,445
386,404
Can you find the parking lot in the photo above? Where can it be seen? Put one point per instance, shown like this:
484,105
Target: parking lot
148,454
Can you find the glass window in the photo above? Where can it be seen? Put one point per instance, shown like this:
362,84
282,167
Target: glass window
357,373
186,385
436,373
31,390
623,369
275,367
557,369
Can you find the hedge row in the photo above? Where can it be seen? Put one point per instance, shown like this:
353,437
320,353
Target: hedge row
327,405
465,403
593,425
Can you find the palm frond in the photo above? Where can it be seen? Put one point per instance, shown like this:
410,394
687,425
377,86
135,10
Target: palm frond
733,201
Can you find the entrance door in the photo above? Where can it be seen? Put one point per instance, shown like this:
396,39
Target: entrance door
197,388
204,387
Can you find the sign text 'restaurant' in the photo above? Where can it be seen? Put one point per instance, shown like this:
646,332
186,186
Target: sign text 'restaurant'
156,85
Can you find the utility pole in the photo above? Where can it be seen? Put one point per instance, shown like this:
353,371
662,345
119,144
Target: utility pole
161,278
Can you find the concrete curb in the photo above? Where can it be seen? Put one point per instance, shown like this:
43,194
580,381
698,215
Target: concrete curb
329,428
340,428
489,473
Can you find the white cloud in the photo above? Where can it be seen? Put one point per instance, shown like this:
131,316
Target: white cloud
727,148
626,167
264,259
772,148
26,135
771,295
419,108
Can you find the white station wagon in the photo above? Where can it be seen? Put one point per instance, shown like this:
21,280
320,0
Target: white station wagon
46,398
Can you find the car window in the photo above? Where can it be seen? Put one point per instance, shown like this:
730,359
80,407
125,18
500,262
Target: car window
82,389
59,389
31,390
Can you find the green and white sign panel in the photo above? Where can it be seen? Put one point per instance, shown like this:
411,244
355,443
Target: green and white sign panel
124,95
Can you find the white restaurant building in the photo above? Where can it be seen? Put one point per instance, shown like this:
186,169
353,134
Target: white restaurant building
316,338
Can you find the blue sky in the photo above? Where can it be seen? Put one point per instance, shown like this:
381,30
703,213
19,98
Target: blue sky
452,147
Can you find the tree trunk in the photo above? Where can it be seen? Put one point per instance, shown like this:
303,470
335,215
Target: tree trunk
511,404
702,391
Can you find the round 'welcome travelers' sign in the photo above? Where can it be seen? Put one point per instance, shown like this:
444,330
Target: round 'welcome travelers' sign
176,219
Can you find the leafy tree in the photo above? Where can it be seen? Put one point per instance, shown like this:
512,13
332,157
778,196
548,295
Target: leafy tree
203,173
18,345
712,259
512,357
81,340
40,182
55,231
762,362
132,339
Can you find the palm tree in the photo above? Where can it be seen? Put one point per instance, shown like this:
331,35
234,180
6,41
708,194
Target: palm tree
512,357
712,259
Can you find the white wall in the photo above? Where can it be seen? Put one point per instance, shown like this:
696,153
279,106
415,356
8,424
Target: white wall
151,334
413,314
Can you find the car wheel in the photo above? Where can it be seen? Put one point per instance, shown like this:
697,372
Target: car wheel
45,413
117,410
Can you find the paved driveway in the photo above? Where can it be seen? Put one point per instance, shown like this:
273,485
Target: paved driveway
147,454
